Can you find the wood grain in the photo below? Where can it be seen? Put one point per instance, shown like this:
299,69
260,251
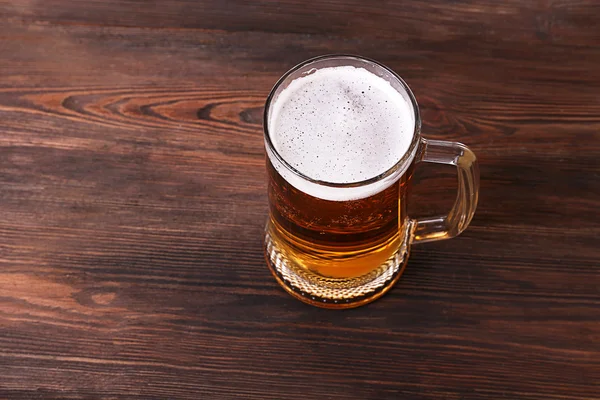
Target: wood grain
133,200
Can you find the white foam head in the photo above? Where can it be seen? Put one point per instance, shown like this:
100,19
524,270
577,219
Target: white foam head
340,125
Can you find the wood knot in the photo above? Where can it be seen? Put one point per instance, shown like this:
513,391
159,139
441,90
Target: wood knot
103,299
252,115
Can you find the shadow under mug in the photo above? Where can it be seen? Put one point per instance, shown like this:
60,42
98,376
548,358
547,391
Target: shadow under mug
332,264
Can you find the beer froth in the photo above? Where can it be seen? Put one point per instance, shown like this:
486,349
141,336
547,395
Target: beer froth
340,125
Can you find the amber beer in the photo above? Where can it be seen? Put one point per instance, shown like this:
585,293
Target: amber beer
337,239
340,125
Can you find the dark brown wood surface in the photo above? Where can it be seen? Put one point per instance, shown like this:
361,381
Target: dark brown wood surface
133,201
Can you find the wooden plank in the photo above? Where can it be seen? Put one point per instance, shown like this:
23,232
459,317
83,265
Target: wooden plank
133,200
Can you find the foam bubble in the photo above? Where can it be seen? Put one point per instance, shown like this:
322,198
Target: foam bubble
340,125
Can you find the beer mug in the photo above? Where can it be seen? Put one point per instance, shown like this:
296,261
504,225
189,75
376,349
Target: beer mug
343,136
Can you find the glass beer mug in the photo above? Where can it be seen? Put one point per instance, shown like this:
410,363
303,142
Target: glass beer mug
343,136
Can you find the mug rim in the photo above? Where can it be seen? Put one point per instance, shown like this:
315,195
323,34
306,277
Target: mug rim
404,160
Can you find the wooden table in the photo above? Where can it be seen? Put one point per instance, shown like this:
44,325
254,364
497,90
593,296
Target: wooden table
133,202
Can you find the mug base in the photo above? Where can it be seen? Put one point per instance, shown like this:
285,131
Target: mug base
335,293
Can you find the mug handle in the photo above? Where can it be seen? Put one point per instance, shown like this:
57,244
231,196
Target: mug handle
450,225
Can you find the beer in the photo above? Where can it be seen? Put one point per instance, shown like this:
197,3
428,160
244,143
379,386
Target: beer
336,239
339,125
